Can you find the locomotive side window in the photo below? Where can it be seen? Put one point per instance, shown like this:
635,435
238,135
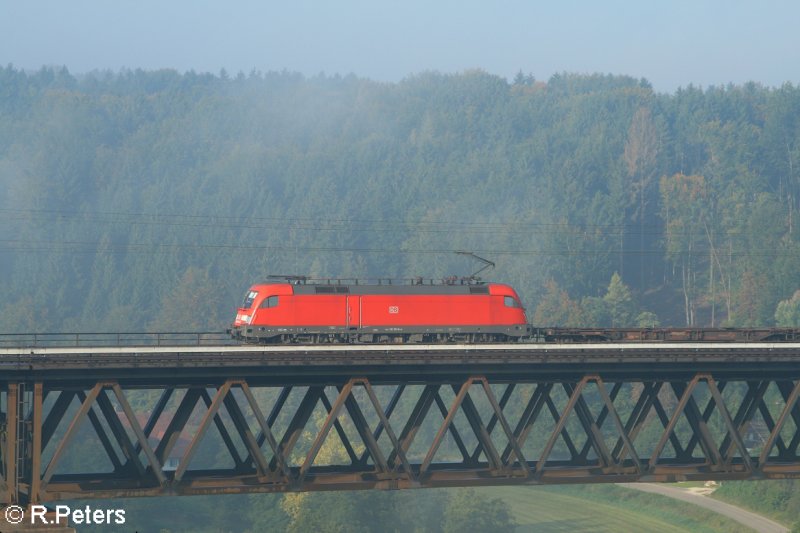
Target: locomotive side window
248,299
511,302
271,301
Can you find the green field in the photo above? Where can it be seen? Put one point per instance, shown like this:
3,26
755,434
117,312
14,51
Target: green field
604,508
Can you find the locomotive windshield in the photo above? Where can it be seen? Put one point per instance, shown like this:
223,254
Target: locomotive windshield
248,299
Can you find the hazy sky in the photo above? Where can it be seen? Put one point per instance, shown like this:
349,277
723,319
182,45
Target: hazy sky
671,43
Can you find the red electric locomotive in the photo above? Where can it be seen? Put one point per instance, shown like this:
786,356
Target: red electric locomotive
299,310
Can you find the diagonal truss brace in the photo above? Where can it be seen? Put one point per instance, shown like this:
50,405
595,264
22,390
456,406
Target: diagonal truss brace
380,436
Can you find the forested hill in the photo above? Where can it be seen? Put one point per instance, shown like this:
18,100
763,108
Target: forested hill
139,199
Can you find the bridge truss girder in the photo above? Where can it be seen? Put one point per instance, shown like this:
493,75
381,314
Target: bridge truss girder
361,433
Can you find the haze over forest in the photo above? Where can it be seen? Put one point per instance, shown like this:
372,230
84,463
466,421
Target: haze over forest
151,199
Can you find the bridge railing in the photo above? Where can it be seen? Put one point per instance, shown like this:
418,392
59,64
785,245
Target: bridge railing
98,339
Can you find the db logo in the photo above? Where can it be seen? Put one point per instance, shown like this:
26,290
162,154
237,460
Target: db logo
393,309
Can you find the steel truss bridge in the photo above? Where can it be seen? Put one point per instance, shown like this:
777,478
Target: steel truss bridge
124,421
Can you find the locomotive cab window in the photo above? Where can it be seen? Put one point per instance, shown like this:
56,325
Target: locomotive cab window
248,299
271,301
511,302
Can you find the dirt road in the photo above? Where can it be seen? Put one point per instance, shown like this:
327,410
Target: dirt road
747,518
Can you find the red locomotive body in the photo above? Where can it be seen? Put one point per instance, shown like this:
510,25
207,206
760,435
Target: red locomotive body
303,311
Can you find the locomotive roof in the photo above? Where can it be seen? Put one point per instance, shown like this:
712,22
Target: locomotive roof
416,286
391,289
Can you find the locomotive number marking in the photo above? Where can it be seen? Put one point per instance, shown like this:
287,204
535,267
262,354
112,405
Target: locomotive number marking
393,309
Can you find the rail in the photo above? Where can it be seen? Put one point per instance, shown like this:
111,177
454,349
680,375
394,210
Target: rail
107,339
537,335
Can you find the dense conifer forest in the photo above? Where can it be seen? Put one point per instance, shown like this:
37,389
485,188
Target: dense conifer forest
150,200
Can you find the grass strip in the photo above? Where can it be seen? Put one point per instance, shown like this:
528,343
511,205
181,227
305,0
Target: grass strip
605,508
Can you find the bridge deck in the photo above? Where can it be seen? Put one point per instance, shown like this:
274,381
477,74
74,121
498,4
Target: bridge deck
397,363
434,354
